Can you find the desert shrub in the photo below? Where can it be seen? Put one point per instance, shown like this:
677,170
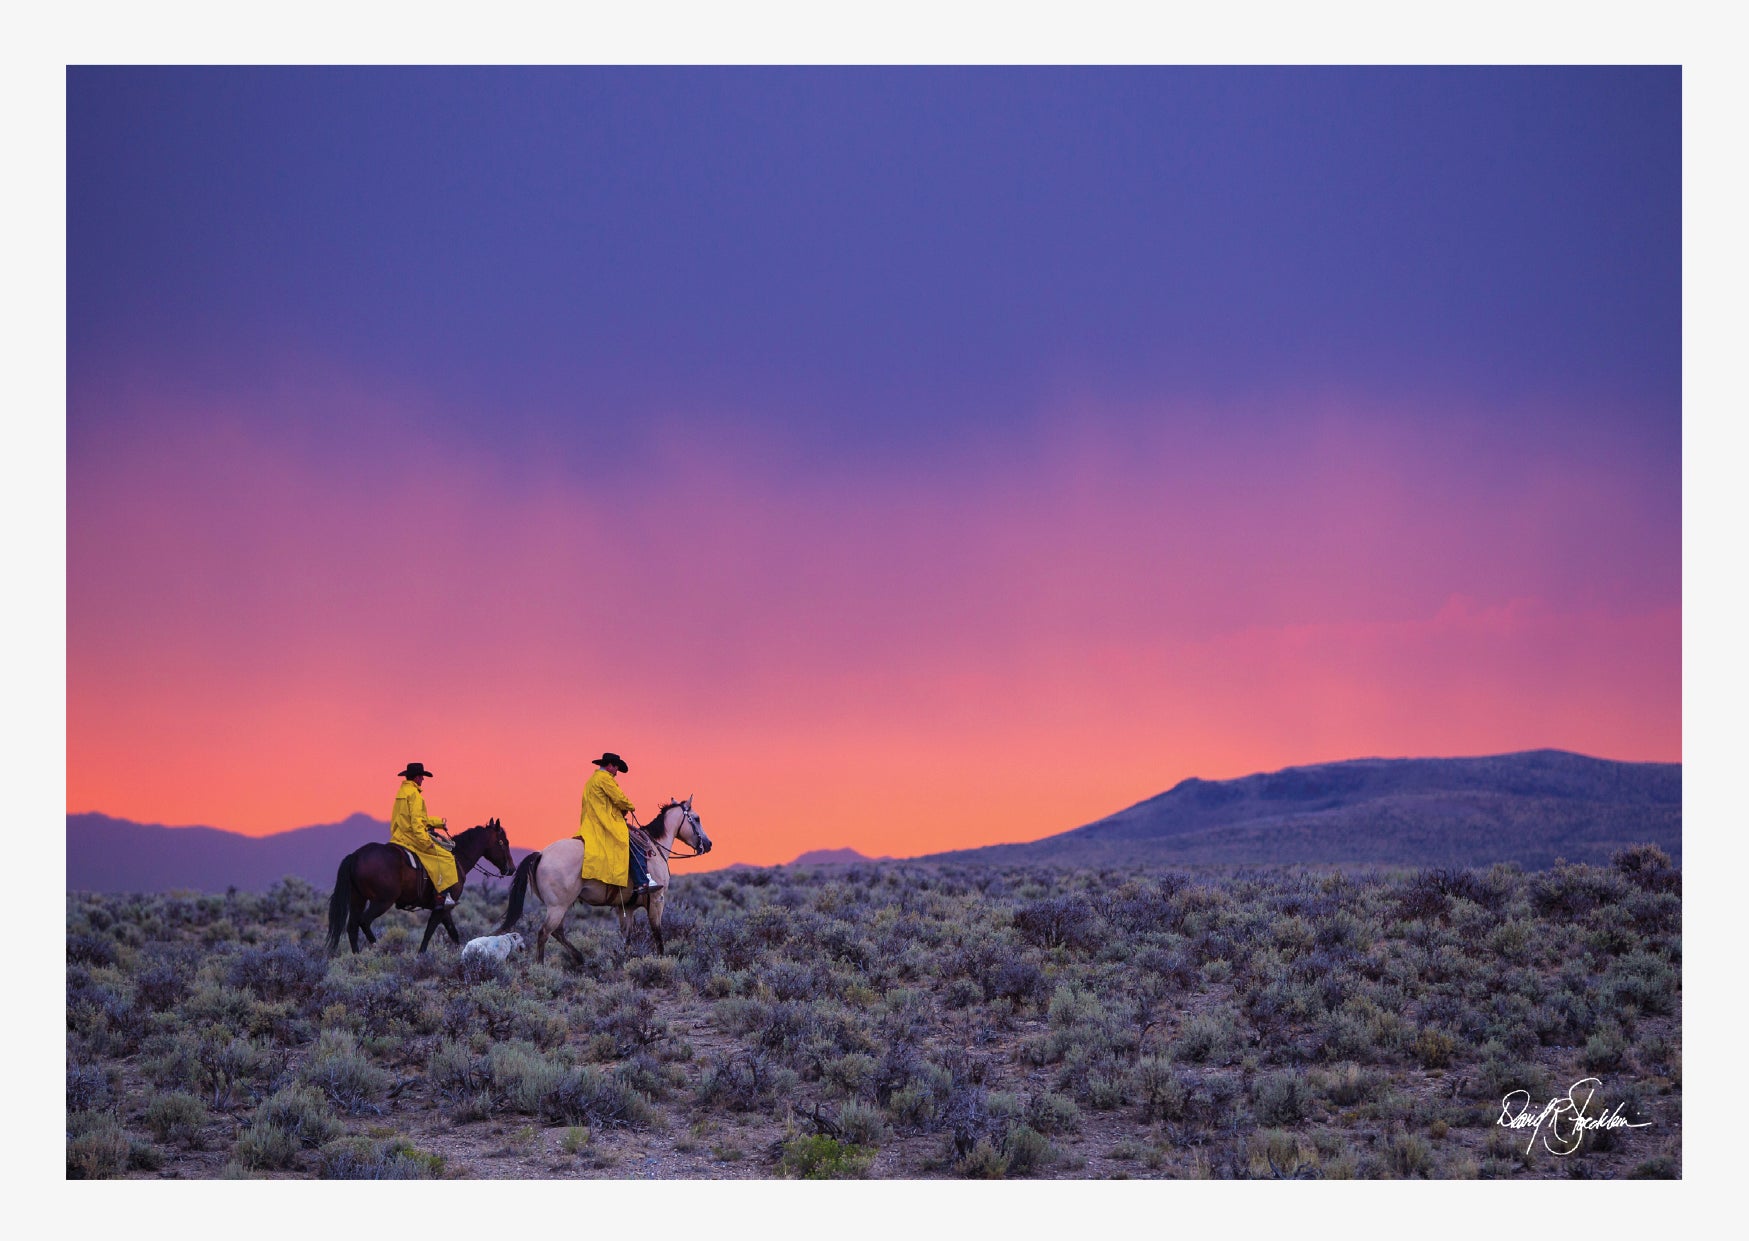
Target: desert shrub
820,1158
1155,1082
1564,1016
1434,1048
1015,979
1026,1151
962,993
1607,1049
508,1017
1569,890
1500,1072
90,1088
216,1005
177,1118
345,1074
460,1082
1642,979
1281,1002
1210,1037
383,1004
97,1147
1064,921
163,984
1408,1155
790,980
1342,1035
1149,909
593,1097
214,1064
1511,940
377,1159
653,972
520,1077
1349,1084
1657,1168
479,969
103,1013
1279,1154
1654,913
851,1074
745,1082
91,949
1647,866
1103,1090
1341,929
1073,1006
628,1016
860,1123
983,1162
293,1120
280,972
1280,1098
1053,1113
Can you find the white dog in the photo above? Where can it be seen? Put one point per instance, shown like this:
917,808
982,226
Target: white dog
496,947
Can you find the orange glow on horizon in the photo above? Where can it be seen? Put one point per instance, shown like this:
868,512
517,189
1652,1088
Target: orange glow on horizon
876,662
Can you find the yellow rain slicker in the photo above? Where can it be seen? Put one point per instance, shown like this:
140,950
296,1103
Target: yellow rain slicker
606,842
411,827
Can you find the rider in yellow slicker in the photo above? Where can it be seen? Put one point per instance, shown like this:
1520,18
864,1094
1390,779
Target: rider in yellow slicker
411,828
609,852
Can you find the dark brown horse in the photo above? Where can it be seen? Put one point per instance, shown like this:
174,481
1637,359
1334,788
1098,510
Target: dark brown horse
376,876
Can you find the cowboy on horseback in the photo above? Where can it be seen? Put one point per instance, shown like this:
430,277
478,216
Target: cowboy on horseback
612,848
413,830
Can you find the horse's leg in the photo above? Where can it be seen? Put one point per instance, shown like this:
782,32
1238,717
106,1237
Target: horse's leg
654,910
355,907
374,910
455,936
559,933
435,921
555,925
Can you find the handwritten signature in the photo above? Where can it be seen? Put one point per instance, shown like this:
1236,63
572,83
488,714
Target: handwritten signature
1565,1116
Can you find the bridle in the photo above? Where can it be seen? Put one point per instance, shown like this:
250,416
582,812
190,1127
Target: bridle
667,852
479,861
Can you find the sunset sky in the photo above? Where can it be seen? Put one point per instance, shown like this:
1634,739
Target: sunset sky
897,459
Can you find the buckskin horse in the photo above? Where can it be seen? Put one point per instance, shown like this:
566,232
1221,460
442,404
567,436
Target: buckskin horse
375,876
557,870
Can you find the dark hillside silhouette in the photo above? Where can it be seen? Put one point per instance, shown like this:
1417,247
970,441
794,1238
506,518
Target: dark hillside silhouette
1529,808
116,855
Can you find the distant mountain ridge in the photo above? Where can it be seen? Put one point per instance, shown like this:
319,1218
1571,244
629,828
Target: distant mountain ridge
834,857
117,855
1530,808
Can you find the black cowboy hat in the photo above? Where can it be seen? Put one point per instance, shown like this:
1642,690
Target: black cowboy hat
611,759
414,769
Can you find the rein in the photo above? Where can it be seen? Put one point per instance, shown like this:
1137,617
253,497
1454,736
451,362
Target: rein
479,861
668,854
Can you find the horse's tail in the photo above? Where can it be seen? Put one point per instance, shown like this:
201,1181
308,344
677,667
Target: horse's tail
340,904
519,892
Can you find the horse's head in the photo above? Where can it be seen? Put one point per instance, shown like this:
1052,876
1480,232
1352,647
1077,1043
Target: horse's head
498,848
691,830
